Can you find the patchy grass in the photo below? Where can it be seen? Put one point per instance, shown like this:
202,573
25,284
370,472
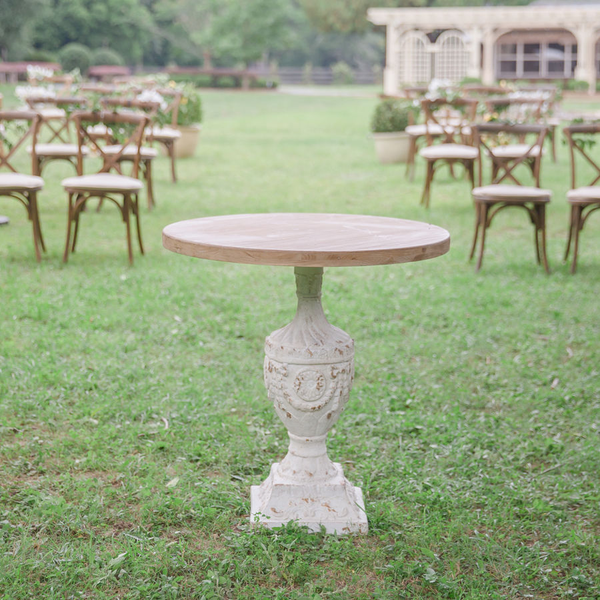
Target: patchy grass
472,426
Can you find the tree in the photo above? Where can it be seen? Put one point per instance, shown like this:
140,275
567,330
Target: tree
17,18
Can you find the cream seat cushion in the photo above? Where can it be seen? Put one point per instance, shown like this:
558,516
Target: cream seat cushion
506,193
52,113
58,150
515,151
130,151
17,181
445,151
418,130
105,182
98,129
163,133
583,195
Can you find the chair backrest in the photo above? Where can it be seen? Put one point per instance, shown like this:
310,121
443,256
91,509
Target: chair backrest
59,101
580,138
488,136
520,109
450,114
478,90
128,129
15,127
175,96
116,102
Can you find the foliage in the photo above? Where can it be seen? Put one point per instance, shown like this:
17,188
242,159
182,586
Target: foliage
106,56
41,56
391,115
577,85
16,18
75,56
190,107
342,73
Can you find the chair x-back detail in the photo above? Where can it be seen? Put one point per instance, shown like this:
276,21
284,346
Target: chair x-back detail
506,190
147,154
453,118
49,150
583,200
15,128
120,189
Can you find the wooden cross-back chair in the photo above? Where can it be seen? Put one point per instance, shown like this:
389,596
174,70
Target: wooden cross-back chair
147,154
453,117
506,189
47,151
583,200
121,190
23,188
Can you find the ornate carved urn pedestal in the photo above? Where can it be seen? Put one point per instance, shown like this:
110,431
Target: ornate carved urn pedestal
309,368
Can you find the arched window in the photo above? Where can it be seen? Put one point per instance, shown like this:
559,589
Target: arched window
415,60
452,56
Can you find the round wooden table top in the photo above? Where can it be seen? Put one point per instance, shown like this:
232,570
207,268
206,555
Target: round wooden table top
306,239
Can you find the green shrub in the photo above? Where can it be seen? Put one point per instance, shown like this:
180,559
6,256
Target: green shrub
391,115
106,56
41,56
577,85
206,81
75,56
190,107
470,80
342,73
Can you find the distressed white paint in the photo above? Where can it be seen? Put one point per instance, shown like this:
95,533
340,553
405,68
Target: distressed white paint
309,368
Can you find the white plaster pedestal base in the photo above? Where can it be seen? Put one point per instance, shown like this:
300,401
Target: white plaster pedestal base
309,368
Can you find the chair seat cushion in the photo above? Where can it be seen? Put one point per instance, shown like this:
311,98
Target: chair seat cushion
130,151
52,113
417,130
515,151
104,182
446,151
17,181
584,195
165,133
508,193
62,150
98,129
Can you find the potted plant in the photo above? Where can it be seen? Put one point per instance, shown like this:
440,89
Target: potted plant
189,118
389,121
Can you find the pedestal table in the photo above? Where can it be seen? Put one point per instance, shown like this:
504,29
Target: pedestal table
309,364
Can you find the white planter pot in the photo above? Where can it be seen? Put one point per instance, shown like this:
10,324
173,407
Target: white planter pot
391,147
185,146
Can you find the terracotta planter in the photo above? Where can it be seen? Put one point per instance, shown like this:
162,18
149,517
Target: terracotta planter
185,146
391,147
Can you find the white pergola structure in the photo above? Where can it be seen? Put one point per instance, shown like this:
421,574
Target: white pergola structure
490,43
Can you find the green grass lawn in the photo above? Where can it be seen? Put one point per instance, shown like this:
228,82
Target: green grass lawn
133,417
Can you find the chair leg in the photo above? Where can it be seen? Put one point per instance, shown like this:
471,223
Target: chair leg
536,236
126,211
410,161
69,218
149,186
76,215
542,218
171,153
34,217
136,211
553,142
484,225
576,232
427,189
570,238
476,234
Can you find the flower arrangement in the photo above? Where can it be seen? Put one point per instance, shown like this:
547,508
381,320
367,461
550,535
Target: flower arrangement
190,106
392,115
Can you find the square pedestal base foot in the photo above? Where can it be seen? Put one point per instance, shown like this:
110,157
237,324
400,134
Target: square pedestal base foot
335,505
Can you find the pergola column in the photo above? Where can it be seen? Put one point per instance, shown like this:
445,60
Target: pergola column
586,59
475,36
391,72
488,75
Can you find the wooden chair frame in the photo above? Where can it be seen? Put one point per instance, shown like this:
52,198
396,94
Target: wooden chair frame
150,110
28,198
130,202
580,211
502,169
431,110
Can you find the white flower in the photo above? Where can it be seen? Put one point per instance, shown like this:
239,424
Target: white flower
152,96
33,91
38,72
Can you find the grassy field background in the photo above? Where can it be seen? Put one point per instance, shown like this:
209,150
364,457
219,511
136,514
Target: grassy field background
133,417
